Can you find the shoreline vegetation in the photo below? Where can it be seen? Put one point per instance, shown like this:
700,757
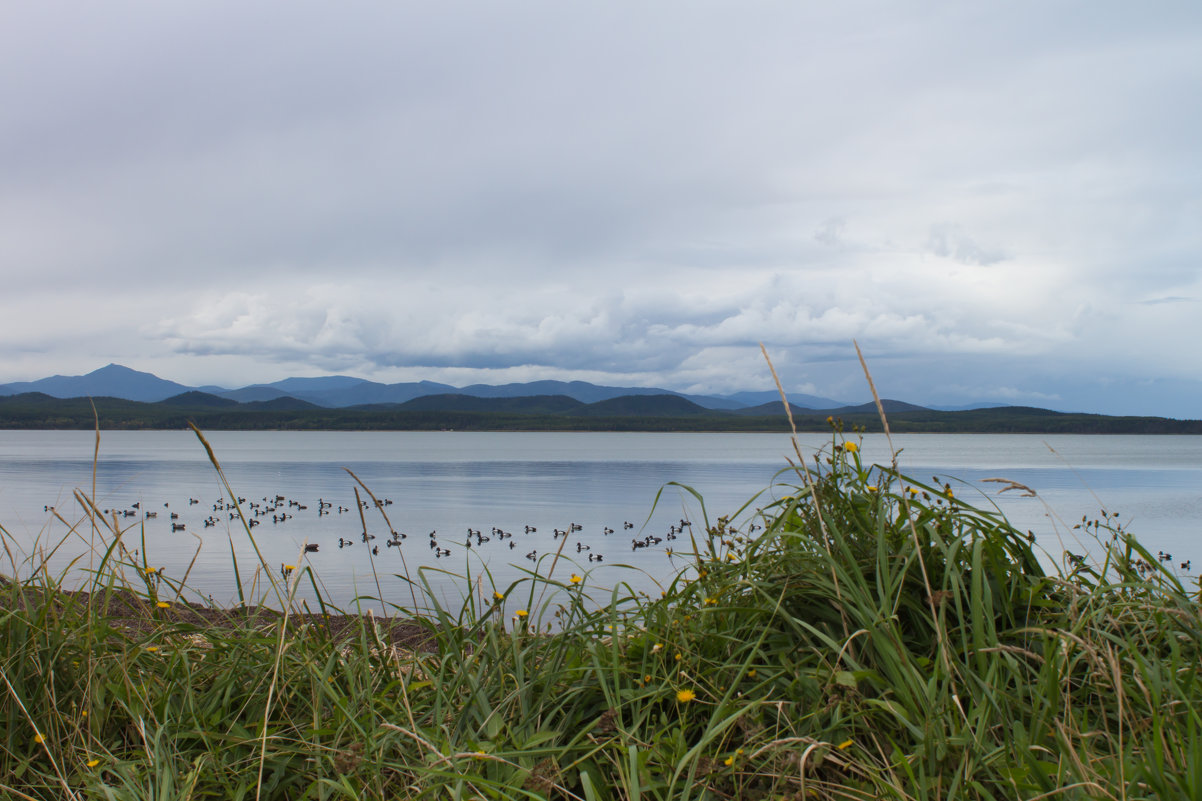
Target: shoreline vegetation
879,638
547,413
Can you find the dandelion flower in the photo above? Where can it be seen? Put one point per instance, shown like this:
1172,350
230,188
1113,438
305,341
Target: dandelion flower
152,648
684,696
575,579
521,613
678,657
163,605
850,447
659,646
872,487
728,761
39,739
498,596
844,745
91,763
289,568
150,571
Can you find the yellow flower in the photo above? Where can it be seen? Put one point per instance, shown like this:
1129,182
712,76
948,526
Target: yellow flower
684,696
850,447
872,487
521,613
659,646
678,657
289,568
728,761
751,673
498,596
93,763
151,571
163,605
711,601
844,745
575,579
39,739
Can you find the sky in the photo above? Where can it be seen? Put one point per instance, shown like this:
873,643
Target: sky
999,202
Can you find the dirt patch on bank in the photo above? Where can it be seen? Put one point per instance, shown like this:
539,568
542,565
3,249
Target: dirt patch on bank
137,616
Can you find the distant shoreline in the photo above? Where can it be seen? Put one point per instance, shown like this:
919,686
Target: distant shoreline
42,412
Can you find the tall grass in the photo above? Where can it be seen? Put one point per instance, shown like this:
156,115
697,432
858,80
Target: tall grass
879,637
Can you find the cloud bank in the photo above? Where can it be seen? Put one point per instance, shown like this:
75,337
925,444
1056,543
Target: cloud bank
998,204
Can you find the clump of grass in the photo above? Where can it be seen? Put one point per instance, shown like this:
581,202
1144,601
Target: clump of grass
880,637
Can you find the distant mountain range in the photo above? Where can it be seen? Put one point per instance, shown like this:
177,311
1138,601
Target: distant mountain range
459,412
340,392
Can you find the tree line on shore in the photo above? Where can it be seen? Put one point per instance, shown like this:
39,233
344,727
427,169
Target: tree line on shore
647,413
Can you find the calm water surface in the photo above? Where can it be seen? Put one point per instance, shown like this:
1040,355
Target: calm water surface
448,482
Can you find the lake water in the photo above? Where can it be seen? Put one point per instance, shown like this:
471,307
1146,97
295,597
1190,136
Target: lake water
449,482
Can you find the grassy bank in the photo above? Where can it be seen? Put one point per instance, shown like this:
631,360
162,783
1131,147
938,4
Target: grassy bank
878,638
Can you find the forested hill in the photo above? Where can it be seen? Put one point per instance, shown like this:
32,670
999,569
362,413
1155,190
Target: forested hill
545,413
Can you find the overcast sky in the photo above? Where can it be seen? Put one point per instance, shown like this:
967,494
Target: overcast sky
999,201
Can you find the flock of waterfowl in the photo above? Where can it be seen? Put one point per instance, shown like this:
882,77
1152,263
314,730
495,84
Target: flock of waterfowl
278,510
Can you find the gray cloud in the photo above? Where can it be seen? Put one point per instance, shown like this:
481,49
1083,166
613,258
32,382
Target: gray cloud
1171,299
948,241
618,192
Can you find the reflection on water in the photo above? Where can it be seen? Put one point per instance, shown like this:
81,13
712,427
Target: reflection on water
601,487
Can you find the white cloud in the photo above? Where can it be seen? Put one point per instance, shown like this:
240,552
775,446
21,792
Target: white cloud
626,192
